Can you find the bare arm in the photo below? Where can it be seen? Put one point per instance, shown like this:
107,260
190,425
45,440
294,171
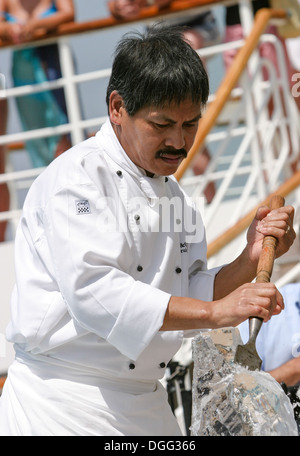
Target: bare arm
18,32
2,20
65,13
251,299
289,372
8,32
235,298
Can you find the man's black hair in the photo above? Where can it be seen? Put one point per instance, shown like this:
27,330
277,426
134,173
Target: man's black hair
157,68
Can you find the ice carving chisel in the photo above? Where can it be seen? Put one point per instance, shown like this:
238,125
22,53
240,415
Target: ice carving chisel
246,355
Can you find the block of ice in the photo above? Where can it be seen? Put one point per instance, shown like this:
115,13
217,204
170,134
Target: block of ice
229,399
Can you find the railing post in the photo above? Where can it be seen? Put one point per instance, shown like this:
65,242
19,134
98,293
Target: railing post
246,16
70,89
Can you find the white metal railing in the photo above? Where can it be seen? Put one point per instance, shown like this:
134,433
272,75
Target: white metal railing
267,146
246,162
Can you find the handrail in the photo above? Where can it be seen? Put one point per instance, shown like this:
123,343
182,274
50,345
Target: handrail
2,381
232,76
147,13
221,241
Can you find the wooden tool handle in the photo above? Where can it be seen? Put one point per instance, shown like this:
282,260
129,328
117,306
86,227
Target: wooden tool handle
267,256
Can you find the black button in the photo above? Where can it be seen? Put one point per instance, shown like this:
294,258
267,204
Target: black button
137,218
178,270
162,365
166,179
131,366
140,268
119,173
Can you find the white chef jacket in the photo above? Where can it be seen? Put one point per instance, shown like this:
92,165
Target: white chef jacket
100,249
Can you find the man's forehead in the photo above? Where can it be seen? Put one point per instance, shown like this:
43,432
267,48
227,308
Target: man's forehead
191,111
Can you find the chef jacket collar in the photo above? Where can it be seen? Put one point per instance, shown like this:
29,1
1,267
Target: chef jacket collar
153,187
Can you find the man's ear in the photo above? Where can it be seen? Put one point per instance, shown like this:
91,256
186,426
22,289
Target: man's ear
116,107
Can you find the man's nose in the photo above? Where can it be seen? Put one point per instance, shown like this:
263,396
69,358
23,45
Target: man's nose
175,139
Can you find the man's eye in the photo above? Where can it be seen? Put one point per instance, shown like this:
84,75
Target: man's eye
191,125
161,125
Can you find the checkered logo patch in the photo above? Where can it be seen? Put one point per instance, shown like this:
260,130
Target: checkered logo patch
82,207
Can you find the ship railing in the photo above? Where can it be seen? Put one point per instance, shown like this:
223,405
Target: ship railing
268,143
251,152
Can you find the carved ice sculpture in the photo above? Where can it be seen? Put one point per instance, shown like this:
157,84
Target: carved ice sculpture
229,399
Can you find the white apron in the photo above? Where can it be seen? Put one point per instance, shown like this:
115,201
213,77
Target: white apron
60,407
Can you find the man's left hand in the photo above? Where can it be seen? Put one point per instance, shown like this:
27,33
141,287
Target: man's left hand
277,223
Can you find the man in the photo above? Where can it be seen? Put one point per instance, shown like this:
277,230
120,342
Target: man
111,260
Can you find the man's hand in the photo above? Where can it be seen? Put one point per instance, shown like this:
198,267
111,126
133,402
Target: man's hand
278,223
289,372
249,300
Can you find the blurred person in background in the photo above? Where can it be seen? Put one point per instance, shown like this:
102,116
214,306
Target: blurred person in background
20,21
267,50
234,32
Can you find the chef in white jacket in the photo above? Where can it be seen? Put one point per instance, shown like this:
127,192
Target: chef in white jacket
111,260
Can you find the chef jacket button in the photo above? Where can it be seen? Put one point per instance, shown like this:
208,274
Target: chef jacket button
139,268
166,179
178,270
119,173
131,366
137,218
162,365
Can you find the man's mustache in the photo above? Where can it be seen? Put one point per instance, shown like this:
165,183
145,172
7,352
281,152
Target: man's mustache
171,151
